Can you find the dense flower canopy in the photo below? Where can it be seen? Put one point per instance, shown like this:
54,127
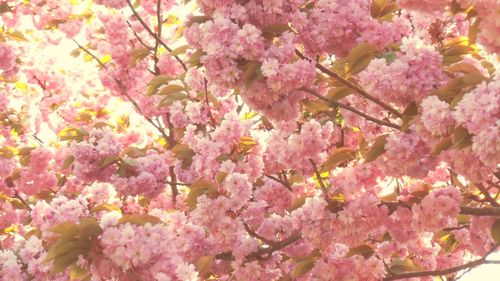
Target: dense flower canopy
248,139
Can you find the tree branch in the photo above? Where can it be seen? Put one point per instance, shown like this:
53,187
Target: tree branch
139,38
487,195
352,109
321,183
473,211
154,35
256,235
353,86
123,90
257,255
442,271
285,184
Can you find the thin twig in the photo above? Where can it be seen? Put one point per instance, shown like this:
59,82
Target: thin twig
321,183
256,235
171,143
18,196
139,38
472,211
154,35
285,184
353,86
487,195
352,109
123,90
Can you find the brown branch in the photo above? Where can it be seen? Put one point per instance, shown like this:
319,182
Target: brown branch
472,211
442,271
257,255
494,212
18,196
256,235
171,143
285,184
154,35
122,89
487,195
139,38
352,109
353,86
321,183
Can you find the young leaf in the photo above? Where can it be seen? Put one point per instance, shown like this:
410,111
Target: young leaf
156,82
338,156
377,149
170,89
461,138
360,57
495,231
408,114
139,219
171,98
364,250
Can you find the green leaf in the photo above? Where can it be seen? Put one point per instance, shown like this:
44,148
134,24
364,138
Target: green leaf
495,231
245,144
251,71
8,152
125,169
377,149
106,161
198,188
4,8
297,203
376,8
195,58
220,177
390,57
443,145
315,106
105,207
388,10
360,57
276,29
72,134
364,250
180,50
156,82
171,98
62,262
77,273
89,228
408,114
139,54
184,153
17,36
461,138
198,19
134,152
170,89
204,265
64,227
338,93
338,156
140,219
400,266
303,266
